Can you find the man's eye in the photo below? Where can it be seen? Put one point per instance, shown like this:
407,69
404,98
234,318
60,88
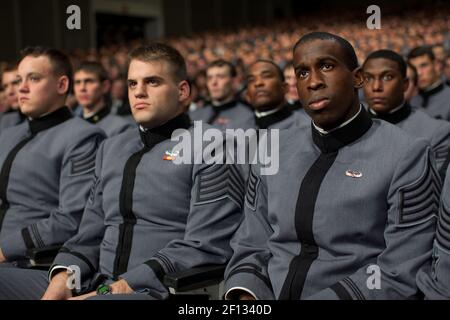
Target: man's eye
152,82
367,78
387,77
302,74
327,66
132,84
34,79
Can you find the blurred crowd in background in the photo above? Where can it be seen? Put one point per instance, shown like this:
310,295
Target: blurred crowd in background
399,32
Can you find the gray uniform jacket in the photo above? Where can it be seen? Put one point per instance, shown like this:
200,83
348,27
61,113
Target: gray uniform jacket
10,119
148,216
436,102
434,278
342,206
232,115
47,167
419,124
110,123
282,119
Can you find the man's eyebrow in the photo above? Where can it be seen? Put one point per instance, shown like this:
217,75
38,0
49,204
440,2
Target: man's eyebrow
154,77
33,74
267,71
328,57
86,78
382,71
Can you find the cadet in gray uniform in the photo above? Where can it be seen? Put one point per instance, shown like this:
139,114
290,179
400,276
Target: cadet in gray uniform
385,82
12,116
146,215
434,277
91,87
224,111
434,95
47,163
355,218
266,89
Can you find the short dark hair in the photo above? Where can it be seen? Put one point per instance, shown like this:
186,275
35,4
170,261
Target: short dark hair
351,60
438,45
223,63
277,67
94,68
389,55
415,79
160,51
288,65
421,51
8,67
59,61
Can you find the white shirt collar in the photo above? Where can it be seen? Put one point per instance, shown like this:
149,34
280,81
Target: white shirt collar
341,126
433,86
260,114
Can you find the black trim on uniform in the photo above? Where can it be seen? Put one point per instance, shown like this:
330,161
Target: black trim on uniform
216,110
50,120
157,269
329,145
304,213
343,136
443,228
4,177
79,256
395,117
354,288
27,238
36,126
427,94
99,116
341,292
165,261
150,137
269,120
126,209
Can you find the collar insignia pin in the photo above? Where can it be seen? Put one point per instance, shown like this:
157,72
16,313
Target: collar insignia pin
170,156
353,173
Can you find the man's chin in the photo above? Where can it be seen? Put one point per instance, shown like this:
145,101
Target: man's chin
326,121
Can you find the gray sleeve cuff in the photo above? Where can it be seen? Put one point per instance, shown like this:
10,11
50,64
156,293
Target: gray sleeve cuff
147,277
13,247
74,261
252,283
229,295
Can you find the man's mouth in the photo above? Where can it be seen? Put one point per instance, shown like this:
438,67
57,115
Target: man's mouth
318,104
140,106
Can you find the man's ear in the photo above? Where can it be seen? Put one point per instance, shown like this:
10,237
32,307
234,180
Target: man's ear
358,78
63,85
184,91
405,84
